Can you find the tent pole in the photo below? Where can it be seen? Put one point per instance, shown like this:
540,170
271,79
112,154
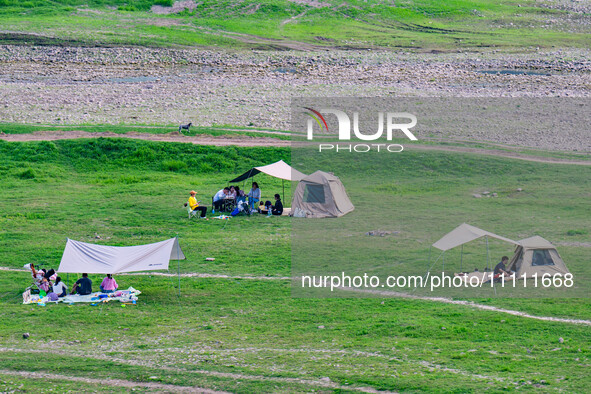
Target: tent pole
443,262
178,259
283,184
487,254
461,257
429,269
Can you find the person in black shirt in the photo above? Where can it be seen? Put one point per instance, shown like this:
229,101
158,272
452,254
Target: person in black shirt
83,286
500,269
277,209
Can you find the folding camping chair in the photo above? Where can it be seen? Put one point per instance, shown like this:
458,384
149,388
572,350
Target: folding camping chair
191,212
228,204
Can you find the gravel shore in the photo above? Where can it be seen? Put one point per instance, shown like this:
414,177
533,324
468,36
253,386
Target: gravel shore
61,85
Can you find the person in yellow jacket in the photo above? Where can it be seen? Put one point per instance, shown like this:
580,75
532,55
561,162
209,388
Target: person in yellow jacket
194,204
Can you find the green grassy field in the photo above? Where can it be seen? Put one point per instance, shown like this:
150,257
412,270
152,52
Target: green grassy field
420,196
245,332
278,24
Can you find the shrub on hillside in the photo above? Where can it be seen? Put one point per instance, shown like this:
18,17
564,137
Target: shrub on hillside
173,165
27,174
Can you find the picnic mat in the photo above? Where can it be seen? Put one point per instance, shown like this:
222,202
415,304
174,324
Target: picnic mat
129,295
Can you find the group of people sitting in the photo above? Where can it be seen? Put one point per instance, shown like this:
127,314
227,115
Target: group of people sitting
50,283
271,209
233,196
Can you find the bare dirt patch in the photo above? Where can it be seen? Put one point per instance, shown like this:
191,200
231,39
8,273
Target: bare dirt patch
178,6
172,137
312,3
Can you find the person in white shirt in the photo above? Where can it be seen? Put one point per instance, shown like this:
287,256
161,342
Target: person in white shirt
218,199
60,288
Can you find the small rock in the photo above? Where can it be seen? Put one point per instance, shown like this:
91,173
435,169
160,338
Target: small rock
519,189
26,335
485,193
443,328
325,379
561,340
153,377
494,195
321,327
476,195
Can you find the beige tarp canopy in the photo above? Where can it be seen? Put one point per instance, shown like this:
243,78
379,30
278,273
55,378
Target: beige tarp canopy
535,242
321,195
465,233
535,255
280,170
103,259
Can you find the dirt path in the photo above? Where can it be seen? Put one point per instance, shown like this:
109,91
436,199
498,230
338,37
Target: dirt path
110,382
264,141
212,276
384,293
173,137
184,275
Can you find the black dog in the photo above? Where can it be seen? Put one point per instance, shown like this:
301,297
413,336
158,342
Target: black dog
185,127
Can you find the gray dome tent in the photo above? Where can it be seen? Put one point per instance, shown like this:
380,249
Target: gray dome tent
321,195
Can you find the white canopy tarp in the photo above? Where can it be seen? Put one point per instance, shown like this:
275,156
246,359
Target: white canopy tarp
280,170
82,257
465,233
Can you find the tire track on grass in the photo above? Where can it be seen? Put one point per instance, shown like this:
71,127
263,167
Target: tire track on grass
356,353
324,383
111,382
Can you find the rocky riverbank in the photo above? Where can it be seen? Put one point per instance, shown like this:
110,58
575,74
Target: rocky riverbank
61,85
